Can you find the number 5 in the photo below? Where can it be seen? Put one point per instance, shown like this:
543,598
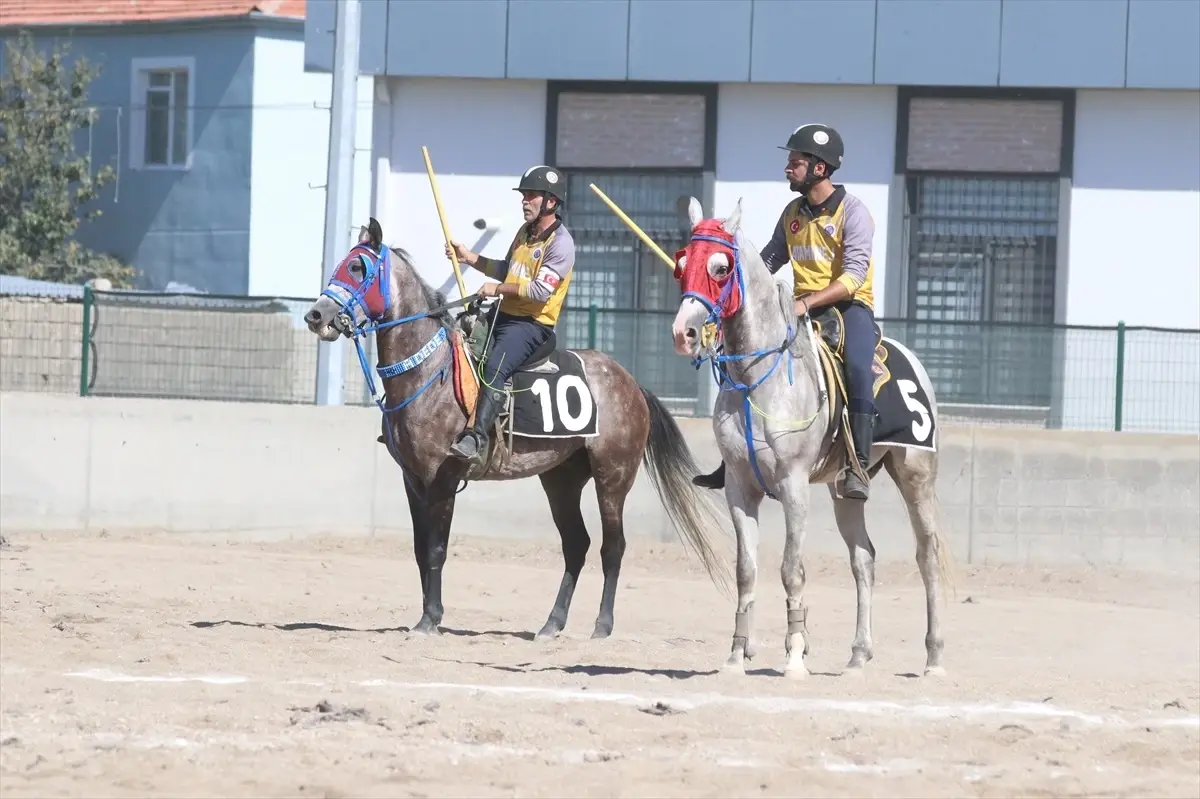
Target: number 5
921,428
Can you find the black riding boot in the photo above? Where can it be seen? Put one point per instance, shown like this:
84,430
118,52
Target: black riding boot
714,480
473,443
862,432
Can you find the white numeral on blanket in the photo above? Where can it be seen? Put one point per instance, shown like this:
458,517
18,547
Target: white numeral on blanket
541,389
920,428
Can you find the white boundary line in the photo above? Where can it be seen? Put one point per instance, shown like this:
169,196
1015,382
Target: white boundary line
971,711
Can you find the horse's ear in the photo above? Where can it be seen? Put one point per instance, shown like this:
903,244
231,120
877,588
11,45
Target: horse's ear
375,233
363,236
695,212
734,220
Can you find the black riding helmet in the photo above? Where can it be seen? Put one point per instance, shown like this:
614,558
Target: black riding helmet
547,180
819,141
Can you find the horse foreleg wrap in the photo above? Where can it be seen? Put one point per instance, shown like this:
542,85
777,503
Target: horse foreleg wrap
798,623
743,620
798,620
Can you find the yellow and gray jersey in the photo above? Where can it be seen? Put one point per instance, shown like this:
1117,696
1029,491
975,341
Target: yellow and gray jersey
828,242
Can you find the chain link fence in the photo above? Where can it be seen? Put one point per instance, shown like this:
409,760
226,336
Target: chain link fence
258,349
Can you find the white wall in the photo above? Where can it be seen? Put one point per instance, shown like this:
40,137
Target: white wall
1135,209
753,121
289,156
482,135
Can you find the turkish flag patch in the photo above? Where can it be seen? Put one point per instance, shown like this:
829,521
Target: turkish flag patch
550,278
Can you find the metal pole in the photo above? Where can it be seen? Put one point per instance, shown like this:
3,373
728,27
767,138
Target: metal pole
339,186
1119,394
85,355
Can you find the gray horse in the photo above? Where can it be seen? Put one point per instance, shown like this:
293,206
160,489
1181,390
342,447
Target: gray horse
376,289
771,360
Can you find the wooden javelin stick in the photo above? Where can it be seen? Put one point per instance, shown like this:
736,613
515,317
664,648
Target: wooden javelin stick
668,260
437,200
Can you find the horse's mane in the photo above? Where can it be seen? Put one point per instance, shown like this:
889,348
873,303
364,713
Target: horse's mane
433,297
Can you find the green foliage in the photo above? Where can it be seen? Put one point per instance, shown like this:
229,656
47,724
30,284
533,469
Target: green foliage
45,184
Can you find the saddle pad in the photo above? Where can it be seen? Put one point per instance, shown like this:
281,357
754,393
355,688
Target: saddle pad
466,383
902,405
559,405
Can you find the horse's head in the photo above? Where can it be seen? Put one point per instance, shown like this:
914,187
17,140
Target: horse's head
709,271
360,291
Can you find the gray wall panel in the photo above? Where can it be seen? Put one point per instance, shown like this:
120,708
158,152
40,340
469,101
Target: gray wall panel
937,42
459,39
568,39
1164,44
1063,43
778,26
689,41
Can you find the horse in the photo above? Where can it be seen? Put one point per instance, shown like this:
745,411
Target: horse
428,380
773,366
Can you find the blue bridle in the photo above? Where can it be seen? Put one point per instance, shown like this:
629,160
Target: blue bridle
380,268
720,372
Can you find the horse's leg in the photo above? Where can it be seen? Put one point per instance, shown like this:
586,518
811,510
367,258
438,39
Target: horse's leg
564,488
743,505
420,523
915,473
794,492
439,512
613,484
851,518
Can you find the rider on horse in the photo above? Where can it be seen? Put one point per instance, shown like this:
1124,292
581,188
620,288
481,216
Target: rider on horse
827,234
533,280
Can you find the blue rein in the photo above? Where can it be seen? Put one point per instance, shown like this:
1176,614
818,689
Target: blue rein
720,371
381,269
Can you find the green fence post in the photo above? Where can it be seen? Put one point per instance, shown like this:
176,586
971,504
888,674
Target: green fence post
1119,401
86,341
593,314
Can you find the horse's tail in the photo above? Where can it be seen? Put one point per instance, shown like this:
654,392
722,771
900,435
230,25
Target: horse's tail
670,464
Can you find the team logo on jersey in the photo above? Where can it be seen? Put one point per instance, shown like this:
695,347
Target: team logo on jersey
537,254
830,229
795,226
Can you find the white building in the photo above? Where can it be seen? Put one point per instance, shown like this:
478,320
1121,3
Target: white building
1031,162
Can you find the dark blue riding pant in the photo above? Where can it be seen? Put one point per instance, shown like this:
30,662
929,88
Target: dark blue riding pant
514,339
858,350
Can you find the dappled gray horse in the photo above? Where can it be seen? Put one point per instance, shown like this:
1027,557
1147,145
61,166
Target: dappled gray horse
777,426
579,415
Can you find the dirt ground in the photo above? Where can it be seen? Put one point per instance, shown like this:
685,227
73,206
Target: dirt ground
161,666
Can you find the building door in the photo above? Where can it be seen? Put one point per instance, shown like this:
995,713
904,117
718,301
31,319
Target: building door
983,177
644,148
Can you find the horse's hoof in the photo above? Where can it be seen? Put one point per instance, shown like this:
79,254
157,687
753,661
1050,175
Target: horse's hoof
550,630
426,627
602,631
935,671
796,672
734,665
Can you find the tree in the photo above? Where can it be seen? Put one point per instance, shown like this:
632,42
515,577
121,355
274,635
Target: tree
45,183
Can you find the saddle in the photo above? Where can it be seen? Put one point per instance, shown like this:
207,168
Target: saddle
477,330
829,327
471,342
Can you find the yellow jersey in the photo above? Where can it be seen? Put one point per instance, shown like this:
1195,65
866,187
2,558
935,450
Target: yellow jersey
540,266
831,241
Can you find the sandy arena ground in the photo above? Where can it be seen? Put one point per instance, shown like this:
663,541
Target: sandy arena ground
151,665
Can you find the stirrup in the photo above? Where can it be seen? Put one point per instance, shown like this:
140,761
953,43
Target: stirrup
480,446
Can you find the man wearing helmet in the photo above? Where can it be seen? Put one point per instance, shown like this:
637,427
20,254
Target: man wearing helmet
826,235
533,280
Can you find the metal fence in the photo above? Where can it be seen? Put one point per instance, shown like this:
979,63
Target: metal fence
259,349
